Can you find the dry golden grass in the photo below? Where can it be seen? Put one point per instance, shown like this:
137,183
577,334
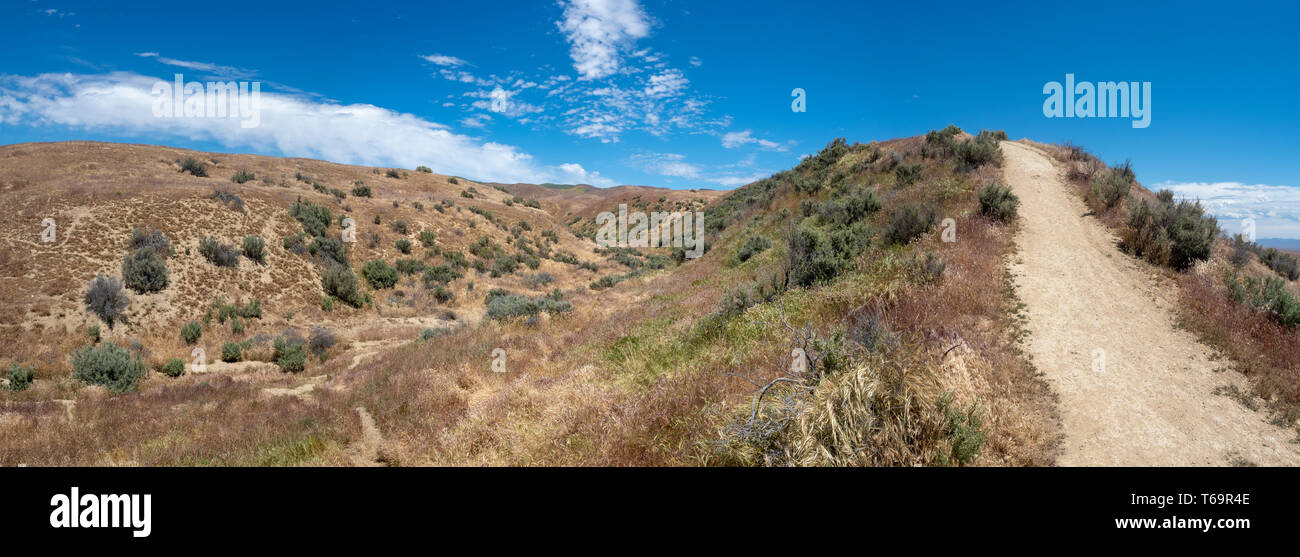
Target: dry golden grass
640,374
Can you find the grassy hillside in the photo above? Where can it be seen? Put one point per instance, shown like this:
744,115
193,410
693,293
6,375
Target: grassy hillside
910,343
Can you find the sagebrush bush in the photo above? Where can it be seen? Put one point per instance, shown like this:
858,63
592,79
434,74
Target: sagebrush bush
1111,187
998,203
361,191
232,352
403,245
428,238
234,202
20,377
106,298
194,167
217,253
441,274
811,258
755,245
321,340
144,272
907,174
109,365
1167,233
329,250
974,153
191,332
1269,295
175,367
255,248
242,176
290,355
1281,263
93,332
511,306
152,239
340,282
379,274
315,219
908,223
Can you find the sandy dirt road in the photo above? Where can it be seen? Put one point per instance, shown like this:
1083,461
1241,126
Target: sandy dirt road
1152,403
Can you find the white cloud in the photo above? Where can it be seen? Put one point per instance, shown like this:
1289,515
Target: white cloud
576,174
444,60
666,164
1276,209
695,61
599,31
736,181
732,140
665,84
297,126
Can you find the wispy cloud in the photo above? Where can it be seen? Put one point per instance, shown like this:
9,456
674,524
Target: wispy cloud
293,125
444,60
600,31
214,69
732,140
1276,209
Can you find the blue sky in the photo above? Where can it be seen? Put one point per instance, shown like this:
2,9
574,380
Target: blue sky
671,93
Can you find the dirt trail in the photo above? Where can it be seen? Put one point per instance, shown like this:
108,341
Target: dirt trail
1152,403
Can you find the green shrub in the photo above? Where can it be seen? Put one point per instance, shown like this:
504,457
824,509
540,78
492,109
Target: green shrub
811,258
255,248
315,219
20,377
393,173
152,239
109,365
428,238
1111,187
965,429
907,174
340,282
290,355
511,306
998,203
410,266
399,226
424,169
1281,263
1269,295
752,246
846,209
217,253
441,274
143,271
441,294
106,299
93,332
242,176
379,274
403,245
231,352
252,310
909,223
194,167
191,332
502,266
977,152
331,250
1167,233
175,367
